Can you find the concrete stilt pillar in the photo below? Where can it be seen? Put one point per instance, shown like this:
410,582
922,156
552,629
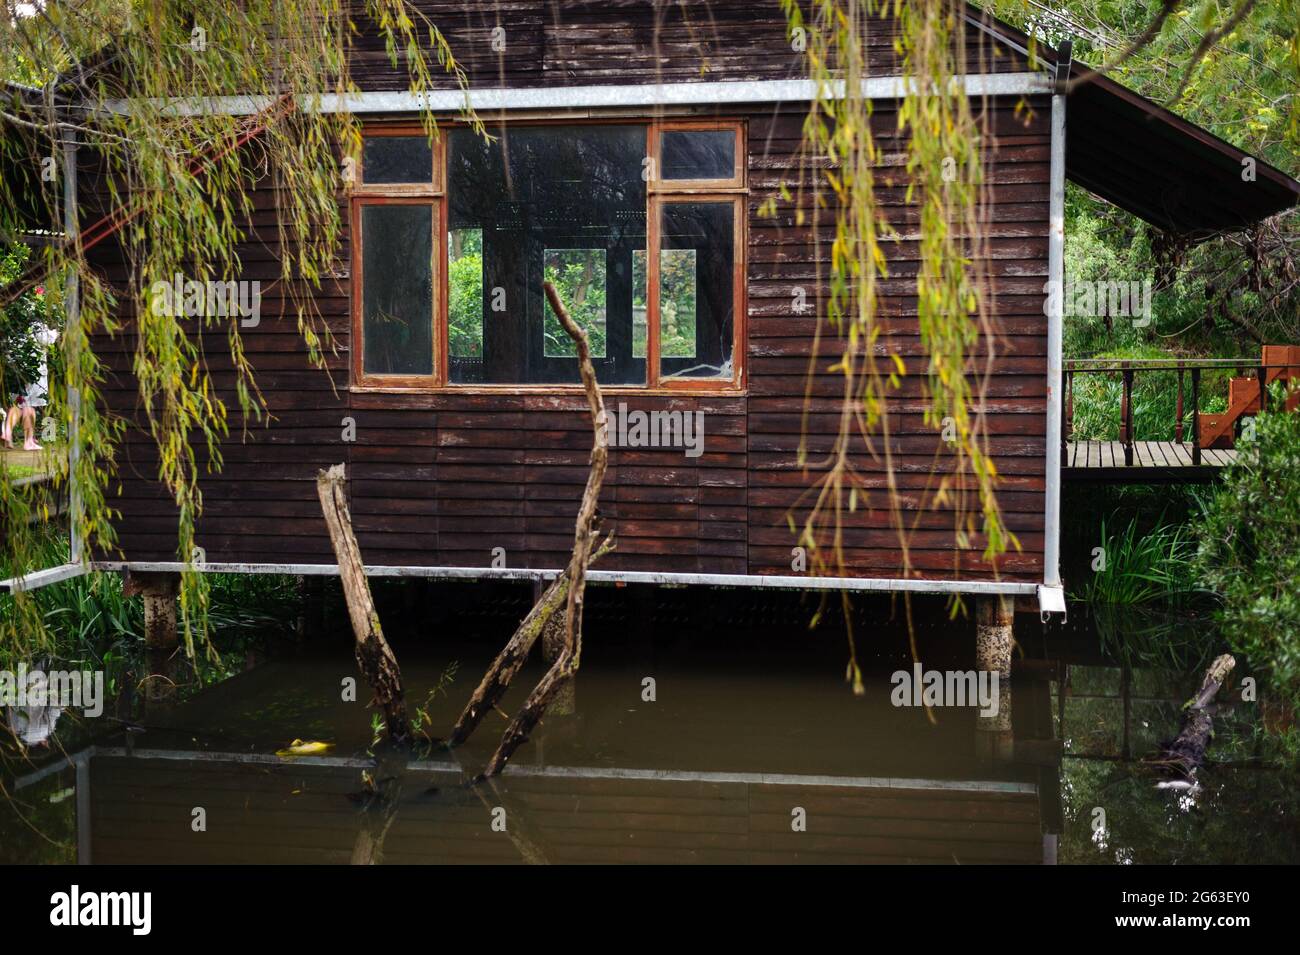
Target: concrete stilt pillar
994,645
159,592
167,671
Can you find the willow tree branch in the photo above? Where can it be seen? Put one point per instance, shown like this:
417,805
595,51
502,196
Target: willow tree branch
1167,8
1208,41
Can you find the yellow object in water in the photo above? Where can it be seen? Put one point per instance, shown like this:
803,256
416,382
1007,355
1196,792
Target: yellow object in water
309,748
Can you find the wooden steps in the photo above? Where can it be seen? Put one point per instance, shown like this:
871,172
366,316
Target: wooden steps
1281,363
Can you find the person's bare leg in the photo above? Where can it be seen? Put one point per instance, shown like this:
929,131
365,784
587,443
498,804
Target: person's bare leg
29,429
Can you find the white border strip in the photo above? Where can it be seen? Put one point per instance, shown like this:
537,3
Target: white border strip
590,97
596,576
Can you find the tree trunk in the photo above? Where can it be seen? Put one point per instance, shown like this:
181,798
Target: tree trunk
584,541
374,656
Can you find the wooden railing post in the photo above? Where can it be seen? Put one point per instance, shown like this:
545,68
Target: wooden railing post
1178,411
1126,415
1067,429
1196,416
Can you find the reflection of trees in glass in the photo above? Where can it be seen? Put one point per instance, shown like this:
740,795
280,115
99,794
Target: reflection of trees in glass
465,293
579,277
676,303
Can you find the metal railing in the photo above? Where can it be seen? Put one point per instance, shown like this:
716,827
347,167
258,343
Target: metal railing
1188,370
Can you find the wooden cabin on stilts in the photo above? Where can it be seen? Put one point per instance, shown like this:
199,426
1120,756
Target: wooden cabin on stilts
654,151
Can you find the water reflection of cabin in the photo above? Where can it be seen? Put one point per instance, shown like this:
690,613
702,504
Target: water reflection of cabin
876,783
621,128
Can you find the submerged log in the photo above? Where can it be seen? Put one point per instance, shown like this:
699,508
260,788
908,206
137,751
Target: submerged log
1185,754
374,655
585,538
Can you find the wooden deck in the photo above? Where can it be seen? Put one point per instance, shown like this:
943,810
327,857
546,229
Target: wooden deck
1156,461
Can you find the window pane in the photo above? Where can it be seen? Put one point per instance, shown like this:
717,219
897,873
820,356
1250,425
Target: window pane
465,295
579,277
696,290
396,159
566,202
640,304
397,289
698,154
677,271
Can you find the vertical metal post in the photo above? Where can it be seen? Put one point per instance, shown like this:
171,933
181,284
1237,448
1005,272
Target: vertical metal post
1126,416
1263,388
1067,426
1055,325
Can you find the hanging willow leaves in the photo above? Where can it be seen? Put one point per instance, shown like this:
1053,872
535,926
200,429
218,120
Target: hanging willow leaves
133,83
942,170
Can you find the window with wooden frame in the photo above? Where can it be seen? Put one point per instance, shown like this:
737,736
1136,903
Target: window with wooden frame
396,237
579,205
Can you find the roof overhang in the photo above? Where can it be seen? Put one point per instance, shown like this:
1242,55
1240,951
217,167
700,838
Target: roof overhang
1175,175
1142,157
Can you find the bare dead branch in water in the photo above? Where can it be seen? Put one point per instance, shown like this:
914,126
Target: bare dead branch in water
1185,754
374,655
515,653
585,538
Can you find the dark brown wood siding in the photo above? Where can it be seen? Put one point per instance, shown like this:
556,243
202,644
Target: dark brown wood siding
784,258
442,478
597,42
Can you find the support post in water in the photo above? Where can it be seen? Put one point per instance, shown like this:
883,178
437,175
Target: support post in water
374,655
159,591
994,644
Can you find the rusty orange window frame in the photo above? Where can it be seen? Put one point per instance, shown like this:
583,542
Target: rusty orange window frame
658,191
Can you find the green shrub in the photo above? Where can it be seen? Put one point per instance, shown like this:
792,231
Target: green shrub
1249,549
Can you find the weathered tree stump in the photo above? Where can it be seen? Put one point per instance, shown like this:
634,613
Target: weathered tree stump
515,653
374,655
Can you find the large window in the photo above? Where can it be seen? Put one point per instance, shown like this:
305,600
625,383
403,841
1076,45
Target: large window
455,240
